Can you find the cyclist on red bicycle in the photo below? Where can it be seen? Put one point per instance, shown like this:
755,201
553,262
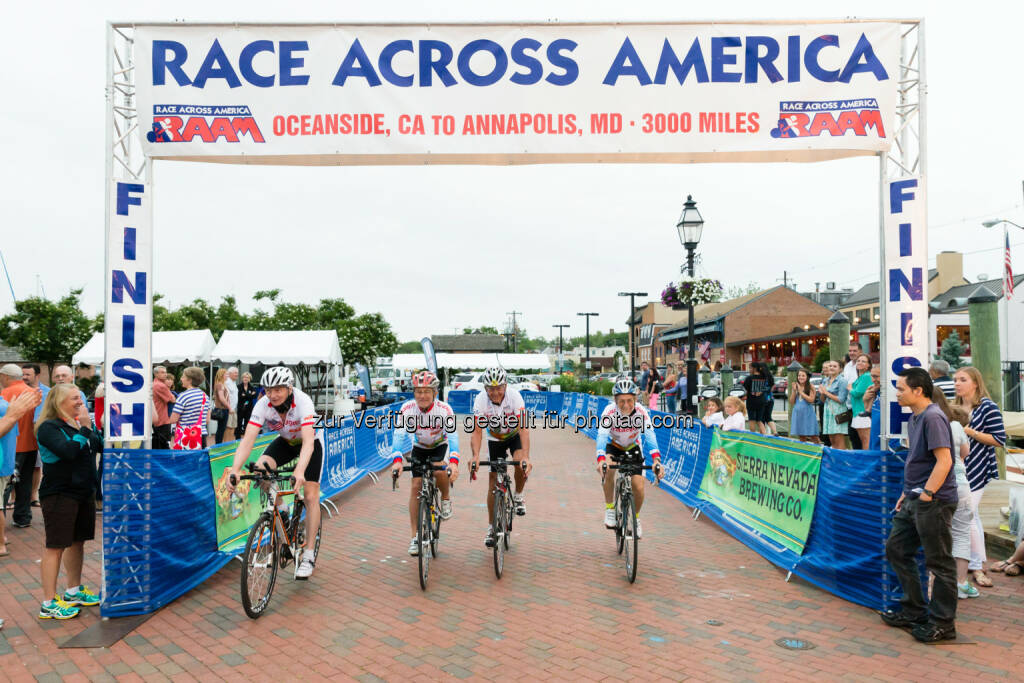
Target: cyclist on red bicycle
289,412
420,430
623,425
501,412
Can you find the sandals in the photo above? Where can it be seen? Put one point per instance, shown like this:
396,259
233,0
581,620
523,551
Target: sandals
982,579
1007,567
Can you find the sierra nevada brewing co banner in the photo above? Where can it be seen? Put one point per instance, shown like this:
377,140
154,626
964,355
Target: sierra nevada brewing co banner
768,485
500,94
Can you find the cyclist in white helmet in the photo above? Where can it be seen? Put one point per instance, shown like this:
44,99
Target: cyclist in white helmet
624,425
289,412
500,412
422,432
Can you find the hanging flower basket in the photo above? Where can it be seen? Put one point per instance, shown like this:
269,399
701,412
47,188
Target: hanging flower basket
696,291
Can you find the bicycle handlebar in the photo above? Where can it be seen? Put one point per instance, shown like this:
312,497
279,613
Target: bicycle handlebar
263,475
501,463
408,468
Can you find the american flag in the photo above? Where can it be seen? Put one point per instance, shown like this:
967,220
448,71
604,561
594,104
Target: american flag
705,350
1008,275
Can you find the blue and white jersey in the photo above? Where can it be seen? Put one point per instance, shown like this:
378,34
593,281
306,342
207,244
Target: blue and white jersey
425,429
625,431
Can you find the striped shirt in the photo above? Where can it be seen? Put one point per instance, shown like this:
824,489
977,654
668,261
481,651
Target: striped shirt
981,463
188,406
946,385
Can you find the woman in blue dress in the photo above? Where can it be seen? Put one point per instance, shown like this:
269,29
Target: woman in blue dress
804,423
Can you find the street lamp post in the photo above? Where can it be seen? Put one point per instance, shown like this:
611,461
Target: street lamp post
632,316
690,225
560,346
587,315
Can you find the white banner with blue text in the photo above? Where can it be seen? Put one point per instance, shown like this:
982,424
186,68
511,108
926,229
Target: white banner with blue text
906,290
128,317
499,94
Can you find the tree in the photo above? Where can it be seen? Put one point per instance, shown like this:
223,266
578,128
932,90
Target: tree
47,331
820,356
951,350
736,291
487,329
409,347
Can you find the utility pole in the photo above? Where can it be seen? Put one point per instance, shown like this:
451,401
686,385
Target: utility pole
560,346
632,337
515,331
587,316
785,279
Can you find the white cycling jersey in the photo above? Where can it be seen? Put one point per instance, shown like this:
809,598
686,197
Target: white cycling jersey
300,414
425,428
626,430
500,421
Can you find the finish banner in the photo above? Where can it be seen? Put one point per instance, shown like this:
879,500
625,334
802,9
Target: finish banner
500,94
906,289
766,484
128,313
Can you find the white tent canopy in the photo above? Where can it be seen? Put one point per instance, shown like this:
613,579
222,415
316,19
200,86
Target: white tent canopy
287,347
181,346
474,361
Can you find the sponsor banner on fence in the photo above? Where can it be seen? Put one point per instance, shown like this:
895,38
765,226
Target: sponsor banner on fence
128,327
769,485
235,512
906,303
544,93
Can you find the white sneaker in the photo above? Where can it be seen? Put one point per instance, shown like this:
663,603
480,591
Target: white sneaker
609,518
446,509
305,568
489,538
414,546
639,529
520,504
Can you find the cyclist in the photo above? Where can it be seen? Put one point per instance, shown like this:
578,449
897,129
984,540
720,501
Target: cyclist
500,411
289,412
623,425
420,427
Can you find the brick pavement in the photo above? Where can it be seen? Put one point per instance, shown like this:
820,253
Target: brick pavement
563,610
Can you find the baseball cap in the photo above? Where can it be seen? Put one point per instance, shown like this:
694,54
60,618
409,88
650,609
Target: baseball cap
11,370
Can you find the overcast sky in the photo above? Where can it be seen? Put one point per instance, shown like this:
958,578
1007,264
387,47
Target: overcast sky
437,248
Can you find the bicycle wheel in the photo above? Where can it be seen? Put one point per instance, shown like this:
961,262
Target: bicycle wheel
510,513
298,532
259,566
435,516
618,521
499,534
629,537
423,528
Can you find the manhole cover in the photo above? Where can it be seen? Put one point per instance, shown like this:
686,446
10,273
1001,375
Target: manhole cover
795,644
714,622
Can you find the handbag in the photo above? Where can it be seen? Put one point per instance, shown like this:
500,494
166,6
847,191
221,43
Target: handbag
219,414
190,437
844,417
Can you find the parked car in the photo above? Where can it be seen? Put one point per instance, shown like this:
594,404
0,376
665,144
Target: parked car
468,381
522,383
781,387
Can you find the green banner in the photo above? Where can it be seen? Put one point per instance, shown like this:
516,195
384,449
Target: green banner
235,512
768,484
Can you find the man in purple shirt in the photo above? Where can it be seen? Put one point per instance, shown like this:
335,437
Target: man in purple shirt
924,515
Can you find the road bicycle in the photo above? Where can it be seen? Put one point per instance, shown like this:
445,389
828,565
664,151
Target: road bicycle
504,508
428,519
277,538
625,513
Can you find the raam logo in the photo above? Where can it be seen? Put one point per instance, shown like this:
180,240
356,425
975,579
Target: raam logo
186,122
833,117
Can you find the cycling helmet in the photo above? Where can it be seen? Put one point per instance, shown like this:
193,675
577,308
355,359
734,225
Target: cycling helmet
625,386
277,377
494,377
425,379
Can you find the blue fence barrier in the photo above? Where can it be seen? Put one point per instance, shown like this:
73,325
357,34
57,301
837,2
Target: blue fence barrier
154,552
857,490
159,512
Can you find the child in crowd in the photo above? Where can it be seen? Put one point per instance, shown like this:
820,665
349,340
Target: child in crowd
963,518
713,416
736,415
